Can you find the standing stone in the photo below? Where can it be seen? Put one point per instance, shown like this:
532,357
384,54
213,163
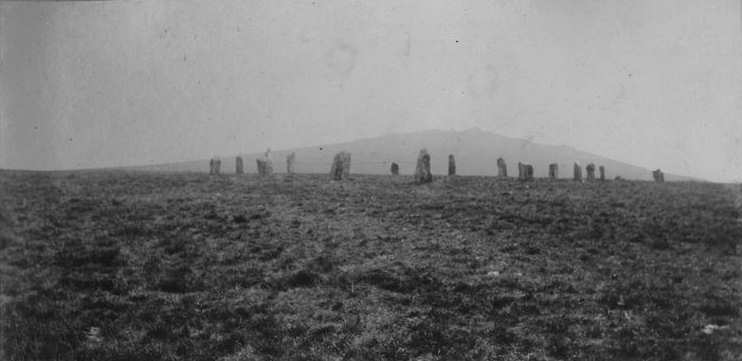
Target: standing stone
502,168
290,163
658,176
239,166
553,171
422,171
525,172
451,165
395,169
521,171
601,169
340,166
577,172
590,168
217,166
346,166
265,165
211,166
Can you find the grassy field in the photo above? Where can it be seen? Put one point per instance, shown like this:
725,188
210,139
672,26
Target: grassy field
148,266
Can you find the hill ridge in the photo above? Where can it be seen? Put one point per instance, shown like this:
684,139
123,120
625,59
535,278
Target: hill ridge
476,151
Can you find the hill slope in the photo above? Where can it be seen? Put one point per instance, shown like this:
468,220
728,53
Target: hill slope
475,150
197,268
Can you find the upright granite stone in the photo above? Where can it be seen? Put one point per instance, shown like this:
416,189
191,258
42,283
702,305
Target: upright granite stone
340,166
521,171
601,169
290,163
451,165
239,166
394,169
577,173
525,172
265,165
590,169
211,165
422,171
658,176
553,171
502,168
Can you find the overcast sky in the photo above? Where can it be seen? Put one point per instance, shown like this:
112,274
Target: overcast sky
86,84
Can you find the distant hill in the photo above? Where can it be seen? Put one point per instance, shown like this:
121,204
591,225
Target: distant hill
476,152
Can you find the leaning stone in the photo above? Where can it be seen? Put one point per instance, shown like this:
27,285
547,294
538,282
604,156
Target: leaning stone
422,171
346,166
451,165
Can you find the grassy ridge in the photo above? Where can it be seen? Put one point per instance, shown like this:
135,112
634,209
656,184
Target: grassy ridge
192,267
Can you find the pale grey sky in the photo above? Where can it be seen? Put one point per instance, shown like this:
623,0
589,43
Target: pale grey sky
86,84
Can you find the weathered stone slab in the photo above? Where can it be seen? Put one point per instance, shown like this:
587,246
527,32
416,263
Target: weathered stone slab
658,176
502,168
577,172
239,165
265,165
340,166
590,169
451,165
290,159
422,171
553,171
525,172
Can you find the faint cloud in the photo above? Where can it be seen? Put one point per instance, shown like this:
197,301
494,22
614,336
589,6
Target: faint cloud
341,59
484,83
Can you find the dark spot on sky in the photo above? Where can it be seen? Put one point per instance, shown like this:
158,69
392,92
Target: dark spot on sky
457,41
36,127
69,140
629,75
320,148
